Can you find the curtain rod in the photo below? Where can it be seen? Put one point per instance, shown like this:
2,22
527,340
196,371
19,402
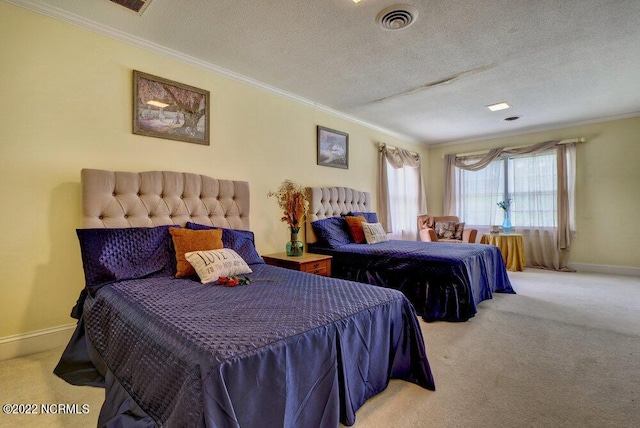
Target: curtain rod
381,146
482,152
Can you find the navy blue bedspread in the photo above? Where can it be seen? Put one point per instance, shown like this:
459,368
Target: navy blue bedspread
290,349
444,281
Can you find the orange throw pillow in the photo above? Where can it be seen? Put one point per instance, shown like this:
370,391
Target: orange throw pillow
187,240
355,227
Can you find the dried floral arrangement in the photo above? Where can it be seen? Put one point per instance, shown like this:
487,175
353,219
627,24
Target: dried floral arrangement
292,199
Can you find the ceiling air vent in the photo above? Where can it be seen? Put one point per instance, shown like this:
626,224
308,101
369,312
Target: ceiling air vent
137,6
397,17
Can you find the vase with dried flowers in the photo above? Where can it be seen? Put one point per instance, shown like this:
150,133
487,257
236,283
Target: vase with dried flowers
292,199
506,224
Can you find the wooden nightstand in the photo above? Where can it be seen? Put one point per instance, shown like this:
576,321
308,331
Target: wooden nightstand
318,264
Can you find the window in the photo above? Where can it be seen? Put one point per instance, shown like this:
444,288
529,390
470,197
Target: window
401,192
404,188
531,181
478,192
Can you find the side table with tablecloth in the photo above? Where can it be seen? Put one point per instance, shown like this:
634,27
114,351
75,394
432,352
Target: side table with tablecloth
511,246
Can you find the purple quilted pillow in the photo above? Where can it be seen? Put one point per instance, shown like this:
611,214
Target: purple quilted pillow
332,231
241,241
110,255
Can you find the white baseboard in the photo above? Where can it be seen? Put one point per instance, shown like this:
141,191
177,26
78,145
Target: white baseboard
606,269
36,341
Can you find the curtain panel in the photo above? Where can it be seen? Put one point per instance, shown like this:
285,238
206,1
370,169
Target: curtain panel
397,158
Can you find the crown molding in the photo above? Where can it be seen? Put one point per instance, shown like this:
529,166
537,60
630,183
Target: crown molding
534,129
79,21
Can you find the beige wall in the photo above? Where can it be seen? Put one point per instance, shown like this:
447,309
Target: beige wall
607,181
66,105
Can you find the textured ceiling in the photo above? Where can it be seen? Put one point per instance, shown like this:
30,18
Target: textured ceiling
558,62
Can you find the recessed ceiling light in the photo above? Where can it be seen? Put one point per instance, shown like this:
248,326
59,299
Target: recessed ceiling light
498,106
512,118
356,1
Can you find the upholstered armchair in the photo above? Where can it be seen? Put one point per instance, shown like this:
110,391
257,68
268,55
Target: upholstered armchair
427,229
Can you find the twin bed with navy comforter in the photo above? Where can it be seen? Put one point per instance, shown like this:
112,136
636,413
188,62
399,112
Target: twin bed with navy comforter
288,349
443,281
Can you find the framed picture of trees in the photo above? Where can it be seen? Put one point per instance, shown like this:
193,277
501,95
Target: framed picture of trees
167,109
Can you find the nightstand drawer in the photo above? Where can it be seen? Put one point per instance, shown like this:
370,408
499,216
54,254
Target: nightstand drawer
317,264
318,268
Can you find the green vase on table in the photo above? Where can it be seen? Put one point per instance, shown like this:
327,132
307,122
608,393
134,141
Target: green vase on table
295,248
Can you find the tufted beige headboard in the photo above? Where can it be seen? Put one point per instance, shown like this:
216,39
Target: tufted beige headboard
113,199
332,202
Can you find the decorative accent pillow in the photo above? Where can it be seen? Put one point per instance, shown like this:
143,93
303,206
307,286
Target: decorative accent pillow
374,233
212,264
371,217
110,255
186,240
459,231
445,229
355,228
240,241
332,231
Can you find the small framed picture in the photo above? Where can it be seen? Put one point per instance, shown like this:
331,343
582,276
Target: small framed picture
167,109
333,148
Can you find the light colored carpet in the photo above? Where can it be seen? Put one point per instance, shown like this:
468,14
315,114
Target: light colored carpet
563,352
